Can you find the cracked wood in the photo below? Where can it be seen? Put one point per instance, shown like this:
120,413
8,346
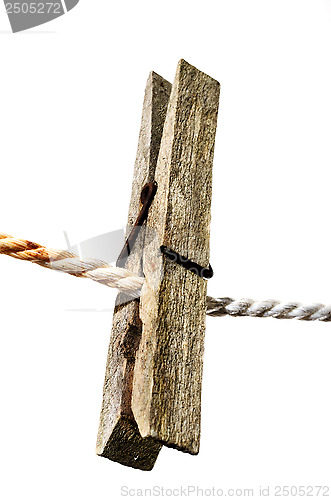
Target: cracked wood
119,438
166,396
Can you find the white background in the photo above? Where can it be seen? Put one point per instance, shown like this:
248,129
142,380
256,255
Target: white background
71,98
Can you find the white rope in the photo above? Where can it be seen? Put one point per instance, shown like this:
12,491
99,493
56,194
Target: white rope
130,283
67,262
268,309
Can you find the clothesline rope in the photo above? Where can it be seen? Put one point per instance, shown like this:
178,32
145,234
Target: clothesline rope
268,309
130,283
67,262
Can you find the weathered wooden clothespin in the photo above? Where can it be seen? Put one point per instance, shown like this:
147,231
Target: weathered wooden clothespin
152,390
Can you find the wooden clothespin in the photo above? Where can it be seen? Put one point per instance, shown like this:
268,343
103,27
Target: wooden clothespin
152,390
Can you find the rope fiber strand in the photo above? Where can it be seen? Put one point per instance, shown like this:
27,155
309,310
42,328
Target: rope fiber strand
67,262
268,309
130,283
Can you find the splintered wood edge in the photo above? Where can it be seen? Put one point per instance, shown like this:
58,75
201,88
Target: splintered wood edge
119,438
166,399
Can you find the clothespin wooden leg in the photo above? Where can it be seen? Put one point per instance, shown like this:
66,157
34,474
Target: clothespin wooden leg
119,438
168,368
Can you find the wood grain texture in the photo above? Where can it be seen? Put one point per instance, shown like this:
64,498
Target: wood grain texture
166,396
119,438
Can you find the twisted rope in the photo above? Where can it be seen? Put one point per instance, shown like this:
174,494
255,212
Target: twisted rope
69,263
268,309
131,284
